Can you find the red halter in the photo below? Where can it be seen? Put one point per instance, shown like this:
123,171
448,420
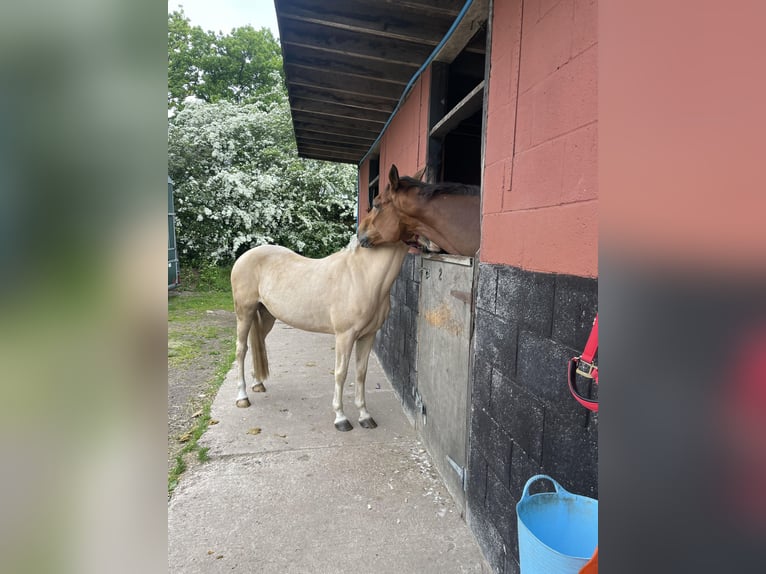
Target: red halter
583,365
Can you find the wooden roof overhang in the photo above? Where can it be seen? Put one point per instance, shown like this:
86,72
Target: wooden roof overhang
348,62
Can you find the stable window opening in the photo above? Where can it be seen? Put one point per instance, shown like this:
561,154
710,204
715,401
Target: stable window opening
456,115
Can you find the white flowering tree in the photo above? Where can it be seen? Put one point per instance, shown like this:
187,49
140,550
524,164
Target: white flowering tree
239,183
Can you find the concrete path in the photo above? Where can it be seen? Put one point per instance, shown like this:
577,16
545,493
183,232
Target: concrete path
284,492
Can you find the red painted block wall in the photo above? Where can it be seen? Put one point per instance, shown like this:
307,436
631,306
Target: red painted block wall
540,194
363,199
405,141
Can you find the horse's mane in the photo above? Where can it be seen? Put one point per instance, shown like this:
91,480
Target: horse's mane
353,243
428,190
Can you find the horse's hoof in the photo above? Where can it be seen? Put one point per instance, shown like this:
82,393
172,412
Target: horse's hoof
344,425
368,423
259,388
243,403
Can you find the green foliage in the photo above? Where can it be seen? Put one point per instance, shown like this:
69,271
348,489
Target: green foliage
240,183
238,180
214,278
241,67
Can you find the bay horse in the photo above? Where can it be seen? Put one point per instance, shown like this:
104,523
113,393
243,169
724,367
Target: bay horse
446,213
345,294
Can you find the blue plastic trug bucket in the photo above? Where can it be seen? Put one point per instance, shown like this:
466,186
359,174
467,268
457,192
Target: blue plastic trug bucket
558,531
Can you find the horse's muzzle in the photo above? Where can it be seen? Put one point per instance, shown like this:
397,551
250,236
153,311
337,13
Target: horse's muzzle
364,241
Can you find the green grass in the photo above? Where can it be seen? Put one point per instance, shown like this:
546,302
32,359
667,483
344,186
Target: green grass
181,351
189,305
208,290
203,422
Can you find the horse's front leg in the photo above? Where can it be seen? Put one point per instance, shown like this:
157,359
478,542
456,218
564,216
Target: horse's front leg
343,344
363,348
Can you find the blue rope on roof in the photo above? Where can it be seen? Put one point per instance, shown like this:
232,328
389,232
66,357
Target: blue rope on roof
407,88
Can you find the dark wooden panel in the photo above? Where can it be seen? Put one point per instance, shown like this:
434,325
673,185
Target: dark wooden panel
326,109
371,18
340,138
302,121
474,20
322,143
317,37
436,110
396,73
427,7
330,155
363,102
300,76
357,125
466,108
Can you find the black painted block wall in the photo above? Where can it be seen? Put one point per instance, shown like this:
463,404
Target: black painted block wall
396,343
523,419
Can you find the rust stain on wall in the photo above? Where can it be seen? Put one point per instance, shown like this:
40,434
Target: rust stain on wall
441,318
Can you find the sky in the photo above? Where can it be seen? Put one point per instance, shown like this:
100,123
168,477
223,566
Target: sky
223,15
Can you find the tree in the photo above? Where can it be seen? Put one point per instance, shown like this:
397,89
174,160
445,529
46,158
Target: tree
242,66
239,183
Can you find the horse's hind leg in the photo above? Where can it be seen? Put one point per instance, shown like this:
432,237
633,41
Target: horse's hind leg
363,348
343,344
266,323
245,318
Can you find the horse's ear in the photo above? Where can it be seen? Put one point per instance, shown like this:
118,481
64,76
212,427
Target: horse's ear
393,177
419,175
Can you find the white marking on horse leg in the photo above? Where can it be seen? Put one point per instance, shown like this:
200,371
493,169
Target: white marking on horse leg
343,344
243,329
363,348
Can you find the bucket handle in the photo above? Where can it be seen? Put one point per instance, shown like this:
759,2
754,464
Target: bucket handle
559,489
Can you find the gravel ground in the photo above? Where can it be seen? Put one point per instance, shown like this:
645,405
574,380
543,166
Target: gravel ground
212,333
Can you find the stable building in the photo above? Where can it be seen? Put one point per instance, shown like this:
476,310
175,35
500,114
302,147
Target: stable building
500,94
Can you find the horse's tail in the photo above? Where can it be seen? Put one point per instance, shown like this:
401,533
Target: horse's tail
258,345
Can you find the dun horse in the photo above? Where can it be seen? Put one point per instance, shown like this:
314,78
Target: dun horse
445,213
345,294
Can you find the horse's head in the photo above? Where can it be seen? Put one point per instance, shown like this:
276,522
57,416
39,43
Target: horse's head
387,221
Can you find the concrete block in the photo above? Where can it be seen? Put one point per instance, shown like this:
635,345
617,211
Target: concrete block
585,25
537,177
501,119
525,298
501,507
487,535
497,451
482,429
560,239
542,371
494,186
546,45
525,120
580,174
570,452
482,382
522,469
497,338
512,565
575,307
476,485
487,287
519,414
567,99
